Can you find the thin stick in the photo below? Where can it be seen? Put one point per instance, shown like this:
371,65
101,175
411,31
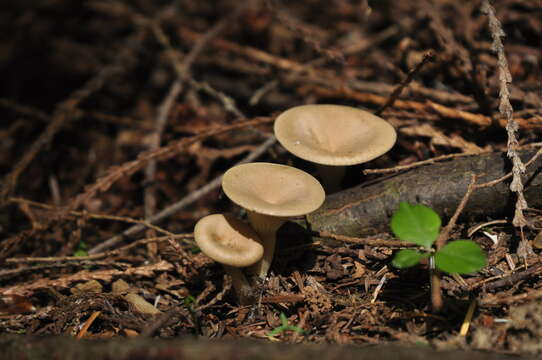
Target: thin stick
227,101
92,215
397,91
445,233
417,164
468,318
506,110
445,157
436,294
378,288
371,242
182,203
87,324
53,259
510,174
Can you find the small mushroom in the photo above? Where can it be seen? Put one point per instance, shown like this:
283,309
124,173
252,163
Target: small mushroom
271,193
332,137
232,243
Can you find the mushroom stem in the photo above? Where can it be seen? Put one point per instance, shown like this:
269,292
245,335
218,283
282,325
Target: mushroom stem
266,226
331,176
240,284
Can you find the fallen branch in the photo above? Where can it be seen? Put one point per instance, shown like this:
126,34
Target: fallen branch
365,210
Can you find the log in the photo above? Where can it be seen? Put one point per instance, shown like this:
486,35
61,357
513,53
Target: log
366,210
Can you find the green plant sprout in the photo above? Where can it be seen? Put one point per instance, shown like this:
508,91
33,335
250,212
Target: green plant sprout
284,327
189,301
81,249
420,225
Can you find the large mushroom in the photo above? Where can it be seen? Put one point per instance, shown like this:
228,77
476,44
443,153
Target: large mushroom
271,193
332,137
234,244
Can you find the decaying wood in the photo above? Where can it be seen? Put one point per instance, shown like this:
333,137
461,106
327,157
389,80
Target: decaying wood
366,210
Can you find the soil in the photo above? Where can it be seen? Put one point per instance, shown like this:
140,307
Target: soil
118,111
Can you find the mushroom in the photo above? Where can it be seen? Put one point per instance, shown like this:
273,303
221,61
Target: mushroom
271,193
332,137
232,243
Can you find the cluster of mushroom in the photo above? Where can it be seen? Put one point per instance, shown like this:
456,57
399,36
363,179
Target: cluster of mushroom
331,136
270,193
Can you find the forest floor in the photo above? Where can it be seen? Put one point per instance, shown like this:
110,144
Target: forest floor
113,111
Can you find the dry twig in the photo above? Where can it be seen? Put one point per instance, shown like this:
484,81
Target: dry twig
428,56
436,295
506,110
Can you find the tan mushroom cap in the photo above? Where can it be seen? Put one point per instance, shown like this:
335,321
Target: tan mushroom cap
228,240
334,134
273,189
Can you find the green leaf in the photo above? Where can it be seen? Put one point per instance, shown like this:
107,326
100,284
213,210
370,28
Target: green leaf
285,327
407,258
460,256
417,224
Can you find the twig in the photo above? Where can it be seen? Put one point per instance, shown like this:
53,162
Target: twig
445,157
436,294
393,244
301,30
227,101
506,110
508,280
378,288
150,170
445,233
258,94
397,91
66,280
247,51
511,280
182,203
93,215
510,174
416,164
29,111
468,318
96,256
505,299
332,88
87,324
163,319
25,110
226,286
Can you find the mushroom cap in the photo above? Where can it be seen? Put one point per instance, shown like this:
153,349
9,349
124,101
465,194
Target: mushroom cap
273,189
334,134
228,240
